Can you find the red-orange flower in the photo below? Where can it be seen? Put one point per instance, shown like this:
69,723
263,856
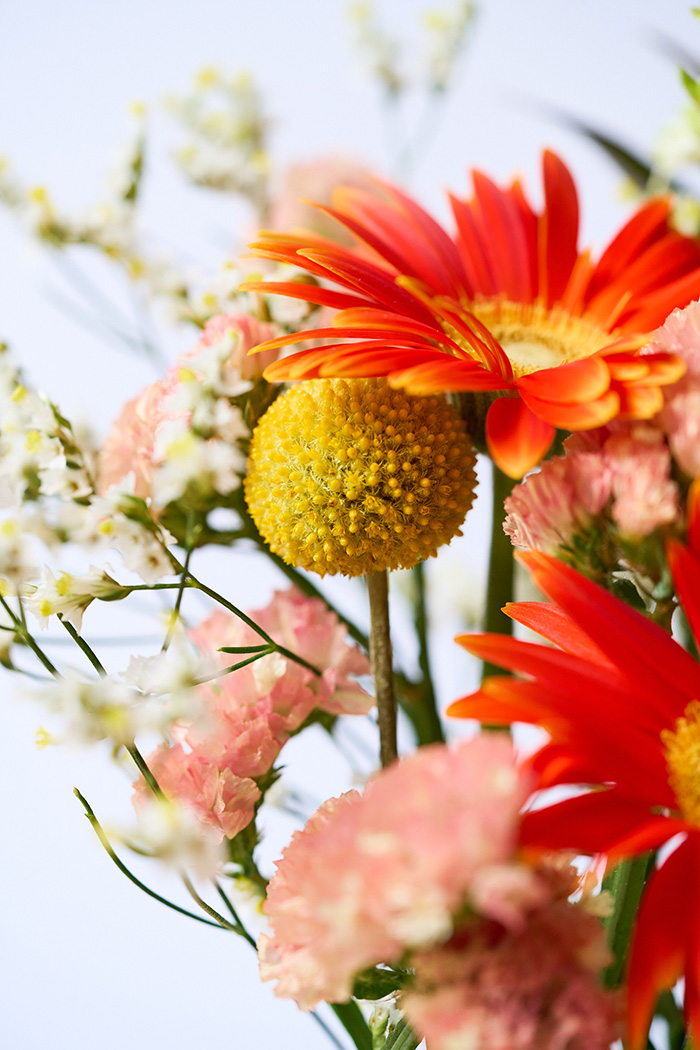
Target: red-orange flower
508,304
621,702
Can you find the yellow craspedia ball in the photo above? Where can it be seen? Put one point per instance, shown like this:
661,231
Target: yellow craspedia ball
350,476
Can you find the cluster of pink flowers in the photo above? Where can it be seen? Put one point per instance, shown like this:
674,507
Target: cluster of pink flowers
422,870
514,986
131,451
680,416
623,471
213,764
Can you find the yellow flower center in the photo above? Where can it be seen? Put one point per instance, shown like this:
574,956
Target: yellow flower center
353,477
682,746
534,337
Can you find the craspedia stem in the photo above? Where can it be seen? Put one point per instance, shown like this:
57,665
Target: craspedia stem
380,655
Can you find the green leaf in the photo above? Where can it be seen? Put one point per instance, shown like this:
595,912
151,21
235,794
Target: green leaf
353,1021
691,85
625,883
375,983
402,1038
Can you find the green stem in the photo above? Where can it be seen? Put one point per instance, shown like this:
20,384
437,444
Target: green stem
353,1021
501,567
99,831
380,655
175,614
82,644
425,718
145,772
234,915
212,911
626,884
251,623
23,632
311,591
235,667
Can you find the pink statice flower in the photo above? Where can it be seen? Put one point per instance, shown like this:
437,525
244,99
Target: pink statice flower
680,416
304,626
138,444
217,796
244,332
547,509
128,452
518,986
644,495
374,875
623,471
215,762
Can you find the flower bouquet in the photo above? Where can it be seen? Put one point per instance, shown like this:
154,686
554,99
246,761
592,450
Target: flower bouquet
479,885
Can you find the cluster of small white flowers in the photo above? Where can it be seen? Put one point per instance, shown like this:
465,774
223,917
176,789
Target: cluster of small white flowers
38,451
174,672
228,129
381,51
70,595
17,564
198,450
111,521
195,295
102,709
678,145
108,225
448,33
170,832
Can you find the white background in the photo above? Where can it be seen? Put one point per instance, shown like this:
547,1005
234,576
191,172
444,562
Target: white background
87,962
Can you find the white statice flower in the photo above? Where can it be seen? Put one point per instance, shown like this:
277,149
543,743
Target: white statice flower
174,675
34,443
209,372
65,481
189,461
678,145
70,595
17,555
143,549
100,709
170,832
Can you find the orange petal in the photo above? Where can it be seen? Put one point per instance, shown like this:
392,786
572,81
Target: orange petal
663,673
685,569
639,402
572,383
558,234
310,293
444,373
601,822
576,417
665,368
693,526
517,439
549,621
628,370
503,238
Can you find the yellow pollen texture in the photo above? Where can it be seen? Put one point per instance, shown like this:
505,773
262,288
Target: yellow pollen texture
348,476
683,760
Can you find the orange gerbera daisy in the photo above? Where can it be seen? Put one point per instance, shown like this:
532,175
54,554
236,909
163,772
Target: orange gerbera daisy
509,304
621,702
